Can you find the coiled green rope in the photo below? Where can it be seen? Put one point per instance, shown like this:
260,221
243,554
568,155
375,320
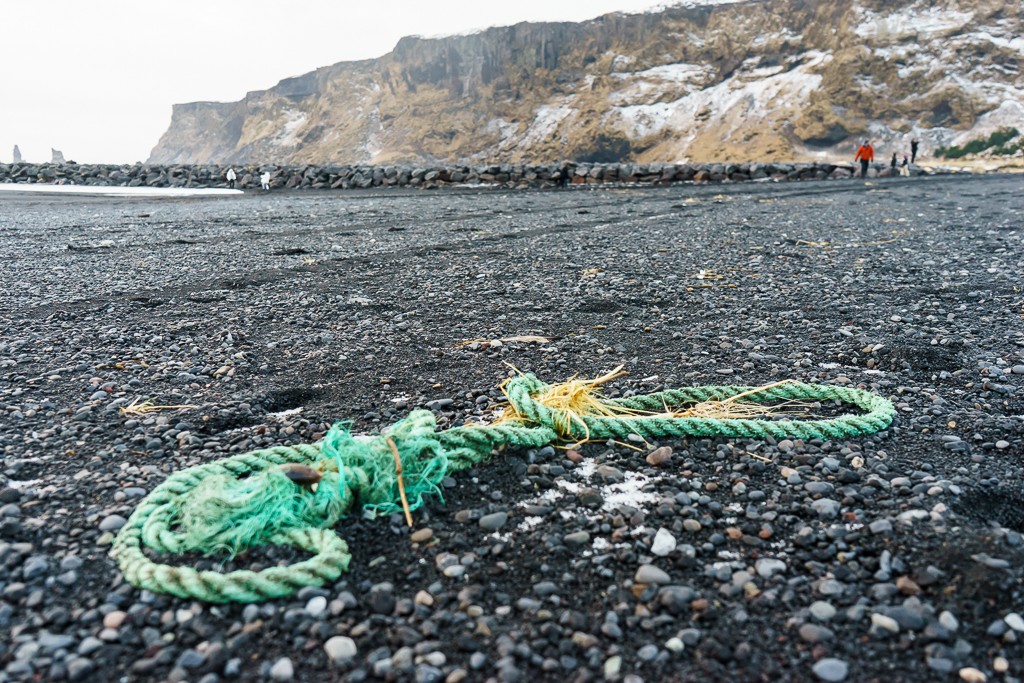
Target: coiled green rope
248,500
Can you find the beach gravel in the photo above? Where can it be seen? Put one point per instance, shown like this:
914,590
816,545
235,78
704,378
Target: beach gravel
260,320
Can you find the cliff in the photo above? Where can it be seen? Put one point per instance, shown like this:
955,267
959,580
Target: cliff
774,79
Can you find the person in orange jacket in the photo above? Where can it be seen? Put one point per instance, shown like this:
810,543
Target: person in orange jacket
865,155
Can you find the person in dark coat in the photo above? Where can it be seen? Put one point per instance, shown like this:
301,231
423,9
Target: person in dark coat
913,150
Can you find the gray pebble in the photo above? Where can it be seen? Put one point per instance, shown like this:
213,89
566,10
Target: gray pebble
112,523
493,521
648,573
769,567
831,669
821,610
577,538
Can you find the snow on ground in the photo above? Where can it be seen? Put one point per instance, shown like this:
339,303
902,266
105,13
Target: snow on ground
628,492
916,20
676,73
294,119
783,37
642,87
93,190
748,95
545,122
373,144
1015,43
506,131
1009,114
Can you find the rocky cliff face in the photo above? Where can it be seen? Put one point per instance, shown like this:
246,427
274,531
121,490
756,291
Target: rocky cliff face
772,79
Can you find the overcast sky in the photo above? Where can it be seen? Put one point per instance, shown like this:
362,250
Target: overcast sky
96,78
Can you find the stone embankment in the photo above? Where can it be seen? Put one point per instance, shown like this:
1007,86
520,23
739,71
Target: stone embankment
355,177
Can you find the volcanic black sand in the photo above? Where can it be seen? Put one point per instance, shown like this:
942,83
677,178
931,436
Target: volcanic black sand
895,557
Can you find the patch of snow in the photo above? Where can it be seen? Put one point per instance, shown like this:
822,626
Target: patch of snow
506,131
549,496
678,73
1016,43
529,522
545,122
785,36
285,413
373,145
568,486
628,493
743,100
916,20
1009,114
622,62
294,119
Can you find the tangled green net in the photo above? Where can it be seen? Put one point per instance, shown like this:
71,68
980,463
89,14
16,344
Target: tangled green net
295,495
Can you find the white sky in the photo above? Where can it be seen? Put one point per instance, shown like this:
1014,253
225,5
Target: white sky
96,78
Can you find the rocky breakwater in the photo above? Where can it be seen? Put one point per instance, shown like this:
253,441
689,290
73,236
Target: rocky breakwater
362,177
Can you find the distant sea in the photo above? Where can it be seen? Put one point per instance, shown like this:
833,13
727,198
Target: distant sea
96,191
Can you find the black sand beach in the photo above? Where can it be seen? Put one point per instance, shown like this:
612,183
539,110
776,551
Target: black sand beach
893,557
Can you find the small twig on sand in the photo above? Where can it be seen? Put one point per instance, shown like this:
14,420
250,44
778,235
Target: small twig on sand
401,484
136,408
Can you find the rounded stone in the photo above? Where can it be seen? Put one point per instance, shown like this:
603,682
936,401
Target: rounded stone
831,669
659,456
885,623
114,619
1014,621
648,573
493,521
340,648
283,670
821,610
112,523
316,606
422,535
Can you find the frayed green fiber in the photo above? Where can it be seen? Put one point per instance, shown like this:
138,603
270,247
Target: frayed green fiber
232,515
424,461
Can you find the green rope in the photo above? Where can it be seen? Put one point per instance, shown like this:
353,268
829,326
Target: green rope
250,500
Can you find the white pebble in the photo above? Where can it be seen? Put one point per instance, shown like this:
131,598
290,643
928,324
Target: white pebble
972,675
282,670
340,648
664,542
886,622
316,606
1014,621
949,621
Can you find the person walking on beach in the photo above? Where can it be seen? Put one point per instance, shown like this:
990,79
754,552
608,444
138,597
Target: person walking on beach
913,150
904,170
892,164
265,180
230,177
865,155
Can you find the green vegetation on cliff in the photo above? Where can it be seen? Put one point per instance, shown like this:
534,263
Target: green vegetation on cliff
997,142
